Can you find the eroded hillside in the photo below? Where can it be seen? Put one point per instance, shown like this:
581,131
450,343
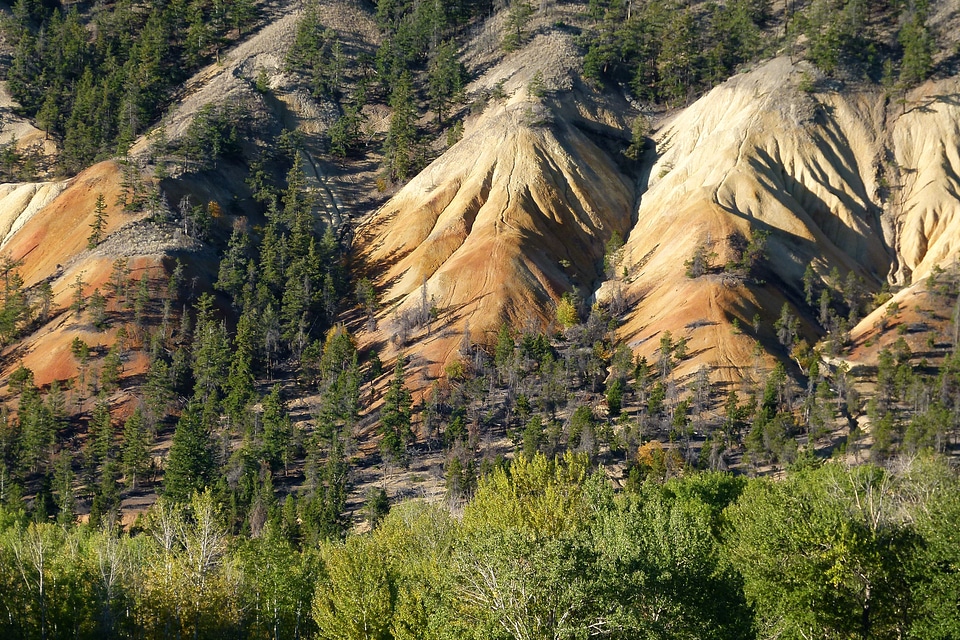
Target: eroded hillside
495,231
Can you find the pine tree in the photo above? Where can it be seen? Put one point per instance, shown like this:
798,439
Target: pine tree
158,391
918,47
240,381
44,300
277,430
136,457
395,416
233,266
444,78
190,464
242,13
400,146
63,479
78,297
376,507
515,27
503,354
101,433
295,305
788,327
14,308
339,380
679,58
326,509
117,285
99,223
298,209
37,426
211,352
98,310
106,497
111,370
142,300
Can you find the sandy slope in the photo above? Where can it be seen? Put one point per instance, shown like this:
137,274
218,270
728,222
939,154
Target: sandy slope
810,168
925,189
841,180
499,227
519,211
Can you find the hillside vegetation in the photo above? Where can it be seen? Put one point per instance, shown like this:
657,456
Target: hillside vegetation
472,319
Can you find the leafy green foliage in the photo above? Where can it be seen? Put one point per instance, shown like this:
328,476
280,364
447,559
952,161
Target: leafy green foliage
543,549
823,553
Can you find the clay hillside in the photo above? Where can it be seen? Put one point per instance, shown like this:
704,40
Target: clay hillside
341,249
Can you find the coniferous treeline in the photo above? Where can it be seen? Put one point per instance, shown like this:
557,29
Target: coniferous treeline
96,76
571,390
283,282
671,51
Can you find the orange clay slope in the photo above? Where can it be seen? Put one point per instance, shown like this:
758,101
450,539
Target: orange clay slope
840,180
754,154
48,236
496,230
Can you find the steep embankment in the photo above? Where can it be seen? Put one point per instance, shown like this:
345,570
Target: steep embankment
840,180
519,211
921,170
49,228
755,154
925,178
500,226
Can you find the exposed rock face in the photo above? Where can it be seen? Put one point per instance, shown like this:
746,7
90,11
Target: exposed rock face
519,212
488,228
499,227
835,178
839,179
49,224
925,187
52,229
20,201
754,154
